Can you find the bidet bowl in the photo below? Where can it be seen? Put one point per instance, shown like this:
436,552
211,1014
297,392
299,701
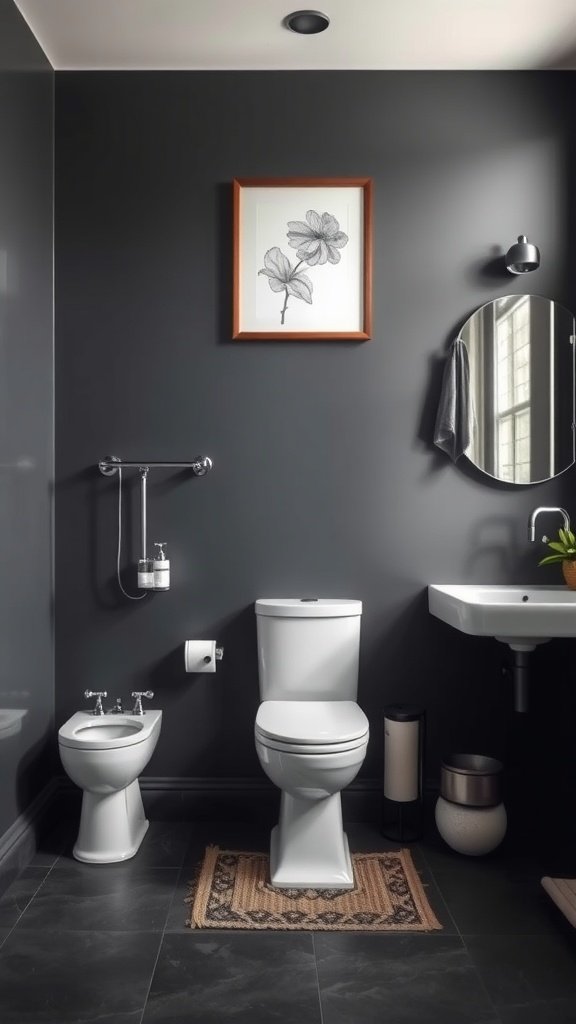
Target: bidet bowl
104,755
107,730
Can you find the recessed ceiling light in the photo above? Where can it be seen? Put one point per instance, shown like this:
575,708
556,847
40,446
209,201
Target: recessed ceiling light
307,23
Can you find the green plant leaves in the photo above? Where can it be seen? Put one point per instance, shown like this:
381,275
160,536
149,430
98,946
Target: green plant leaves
564,549
551,559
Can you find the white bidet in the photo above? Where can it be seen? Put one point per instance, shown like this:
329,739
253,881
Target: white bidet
104,756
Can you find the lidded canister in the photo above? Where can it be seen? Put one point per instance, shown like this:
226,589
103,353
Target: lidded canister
402,752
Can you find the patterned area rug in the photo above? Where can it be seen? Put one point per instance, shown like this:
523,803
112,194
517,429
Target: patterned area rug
233,891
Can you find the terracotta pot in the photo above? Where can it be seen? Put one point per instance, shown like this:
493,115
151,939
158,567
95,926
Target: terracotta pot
569,571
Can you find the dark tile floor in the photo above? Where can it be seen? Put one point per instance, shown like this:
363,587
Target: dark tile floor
109,945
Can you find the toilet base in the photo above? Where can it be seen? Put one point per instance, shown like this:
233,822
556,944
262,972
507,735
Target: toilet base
112,826
308,846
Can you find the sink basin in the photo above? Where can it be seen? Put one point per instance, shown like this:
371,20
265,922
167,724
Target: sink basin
519,616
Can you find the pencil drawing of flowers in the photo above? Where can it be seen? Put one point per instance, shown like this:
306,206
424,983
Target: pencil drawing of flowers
282,277
317,242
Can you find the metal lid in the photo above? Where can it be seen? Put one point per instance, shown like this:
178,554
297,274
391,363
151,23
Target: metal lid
403,712
308,607
472,764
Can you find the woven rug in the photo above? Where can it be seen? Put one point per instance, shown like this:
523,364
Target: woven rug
233,890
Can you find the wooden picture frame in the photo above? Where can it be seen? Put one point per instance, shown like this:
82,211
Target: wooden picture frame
302,254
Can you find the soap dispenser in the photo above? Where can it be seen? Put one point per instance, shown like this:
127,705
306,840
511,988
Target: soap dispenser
161,568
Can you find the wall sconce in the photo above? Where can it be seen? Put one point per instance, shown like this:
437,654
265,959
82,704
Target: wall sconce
522,257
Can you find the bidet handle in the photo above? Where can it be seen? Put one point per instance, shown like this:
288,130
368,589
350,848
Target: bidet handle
98,709
138,694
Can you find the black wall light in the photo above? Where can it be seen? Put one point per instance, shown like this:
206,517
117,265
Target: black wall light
307,23
522,257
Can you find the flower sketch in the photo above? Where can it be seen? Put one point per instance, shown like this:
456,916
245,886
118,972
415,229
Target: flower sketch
317,242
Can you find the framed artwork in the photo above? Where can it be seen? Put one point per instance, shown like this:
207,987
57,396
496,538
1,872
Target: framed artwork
302,258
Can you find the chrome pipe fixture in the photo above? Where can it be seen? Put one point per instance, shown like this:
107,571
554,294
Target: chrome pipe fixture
143,508
522,257
538,511
201,465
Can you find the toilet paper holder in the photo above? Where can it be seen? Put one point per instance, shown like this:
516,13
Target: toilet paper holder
202,655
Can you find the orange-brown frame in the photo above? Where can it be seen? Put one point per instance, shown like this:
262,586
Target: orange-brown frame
366,185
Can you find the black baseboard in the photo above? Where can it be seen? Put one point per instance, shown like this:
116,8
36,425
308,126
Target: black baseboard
20,842
224,799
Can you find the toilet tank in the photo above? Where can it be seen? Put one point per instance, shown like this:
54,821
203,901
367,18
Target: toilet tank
308,648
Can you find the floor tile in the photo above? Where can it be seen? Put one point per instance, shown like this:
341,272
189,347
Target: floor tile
102,897
78,978
489,904
557,1011
248,978
399,979
525,968
507,862
233,836
179,911
17,897
53,844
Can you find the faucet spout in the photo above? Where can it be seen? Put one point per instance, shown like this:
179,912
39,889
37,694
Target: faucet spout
538,511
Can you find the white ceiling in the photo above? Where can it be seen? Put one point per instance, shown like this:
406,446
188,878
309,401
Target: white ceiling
229,34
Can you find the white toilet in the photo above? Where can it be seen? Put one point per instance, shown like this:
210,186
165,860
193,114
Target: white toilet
104,756
311,736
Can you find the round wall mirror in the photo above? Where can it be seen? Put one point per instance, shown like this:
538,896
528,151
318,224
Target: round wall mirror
521,359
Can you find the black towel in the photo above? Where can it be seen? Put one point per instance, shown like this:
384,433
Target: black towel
455,414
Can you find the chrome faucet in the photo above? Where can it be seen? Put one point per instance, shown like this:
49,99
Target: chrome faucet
138,694
98,709
537,511
116,708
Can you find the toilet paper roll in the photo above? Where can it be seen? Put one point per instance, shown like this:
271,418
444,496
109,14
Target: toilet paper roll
200,655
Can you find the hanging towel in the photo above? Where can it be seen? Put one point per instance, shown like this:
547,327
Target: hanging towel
455,413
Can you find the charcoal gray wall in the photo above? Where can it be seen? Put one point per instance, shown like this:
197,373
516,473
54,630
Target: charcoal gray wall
325,479
26,416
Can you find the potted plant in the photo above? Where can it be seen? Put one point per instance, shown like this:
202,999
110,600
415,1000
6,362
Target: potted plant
564,552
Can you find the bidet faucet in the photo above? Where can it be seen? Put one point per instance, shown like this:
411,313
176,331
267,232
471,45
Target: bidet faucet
138,694
117,708
98,709
537,511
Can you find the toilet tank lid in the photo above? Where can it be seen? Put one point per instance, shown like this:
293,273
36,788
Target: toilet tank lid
308,607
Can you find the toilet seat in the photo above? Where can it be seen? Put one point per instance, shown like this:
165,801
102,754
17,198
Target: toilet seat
311,748
311,727
84,731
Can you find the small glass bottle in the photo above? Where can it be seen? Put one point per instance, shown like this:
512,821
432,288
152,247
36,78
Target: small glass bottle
161,568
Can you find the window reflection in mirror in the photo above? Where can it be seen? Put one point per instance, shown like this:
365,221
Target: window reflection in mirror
522,388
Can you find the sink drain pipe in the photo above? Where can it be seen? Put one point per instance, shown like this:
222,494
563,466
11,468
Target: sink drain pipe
520,674
520,680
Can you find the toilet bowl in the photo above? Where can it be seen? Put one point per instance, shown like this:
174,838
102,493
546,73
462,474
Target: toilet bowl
104,756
